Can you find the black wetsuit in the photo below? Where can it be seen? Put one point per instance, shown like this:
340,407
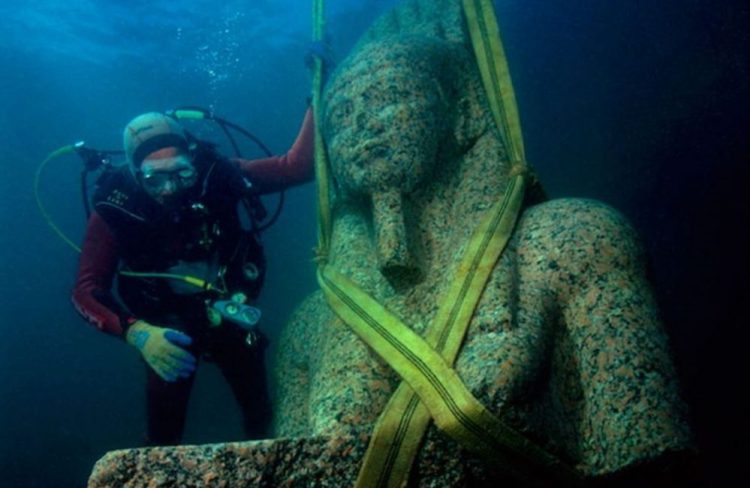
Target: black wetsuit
203,237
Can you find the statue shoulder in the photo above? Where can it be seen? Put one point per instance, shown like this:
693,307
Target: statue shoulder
578,240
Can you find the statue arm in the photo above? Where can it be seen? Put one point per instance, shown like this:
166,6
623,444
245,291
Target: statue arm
292,374
631,410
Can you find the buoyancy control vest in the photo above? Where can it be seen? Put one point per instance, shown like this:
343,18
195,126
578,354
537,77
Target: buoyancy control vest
210,235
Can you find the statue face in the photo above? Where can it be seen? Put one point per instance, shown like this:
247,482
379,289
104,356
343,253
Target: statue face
384,125
383,129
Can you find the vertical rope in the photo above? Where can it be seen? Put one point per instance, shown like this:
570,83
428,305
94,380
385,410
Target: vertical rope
321,159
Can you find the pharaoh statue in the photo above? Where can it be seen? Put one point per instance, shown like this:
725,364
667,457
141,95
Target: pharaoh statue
565,345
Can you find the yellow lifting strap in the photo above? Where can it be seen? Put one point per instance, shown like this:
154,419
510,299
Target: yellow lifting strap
425,365
399,431
321,159
484,31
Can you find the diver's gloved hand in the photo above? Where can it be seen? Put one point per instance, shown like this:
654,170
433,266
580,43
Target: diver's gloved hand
161,349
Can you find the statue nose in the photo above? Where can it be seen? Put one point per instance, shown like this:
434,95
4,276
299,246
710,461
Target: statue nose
395,256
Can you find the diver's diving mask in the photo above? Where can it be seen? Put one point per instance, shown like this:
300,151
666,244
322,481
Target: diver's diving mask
181,175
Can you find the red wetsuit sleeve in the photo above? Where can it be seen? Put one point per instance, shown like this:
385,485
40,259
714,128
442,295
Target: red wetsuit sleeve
280,172
96,270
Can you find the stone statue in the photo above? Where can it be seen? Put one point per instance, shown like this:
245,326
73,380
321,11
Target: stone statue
566,345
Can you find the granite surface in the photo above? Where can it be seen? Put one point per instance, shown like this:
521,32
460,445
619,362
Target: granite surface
565,346
280,462
285,462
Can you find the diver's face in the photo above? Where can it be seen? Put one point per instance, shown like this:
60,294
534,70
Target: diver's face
166,177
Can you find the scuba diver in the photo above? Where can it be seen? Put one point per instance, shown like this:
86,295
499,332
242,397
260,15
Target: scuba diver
177,226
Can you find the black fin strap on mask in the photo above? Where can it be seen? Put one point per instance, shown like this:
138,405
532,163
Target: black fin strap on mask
159,142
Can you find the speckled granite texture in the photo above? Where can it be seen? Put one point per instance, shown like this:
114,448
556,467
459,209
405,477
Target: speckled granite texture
299,462
566,345
280,462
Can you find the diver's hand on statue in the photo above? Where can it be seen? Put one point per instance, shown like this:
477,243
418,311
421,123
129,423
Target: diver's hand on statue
162,348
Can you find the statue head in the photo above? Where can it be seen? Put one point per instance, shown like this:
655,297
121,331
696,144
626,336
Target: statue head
395,114
386,114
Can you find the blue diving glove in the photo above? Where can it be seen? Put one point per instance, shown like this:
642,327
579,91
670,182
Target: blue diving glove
161,348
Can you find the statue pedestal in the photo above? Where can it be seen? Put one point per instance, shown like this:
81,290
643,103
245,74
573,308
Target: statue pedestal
274,462
311,461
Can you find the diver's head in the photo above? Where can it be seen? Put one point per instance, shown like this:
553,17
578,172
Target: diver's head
159,154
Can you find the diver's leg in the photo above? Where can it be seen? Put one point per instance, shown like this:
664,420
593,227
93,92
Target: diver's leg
166,408
244,369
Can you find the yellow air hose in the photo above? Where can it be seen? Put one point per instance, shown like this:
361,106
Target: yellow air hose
45,215
190,280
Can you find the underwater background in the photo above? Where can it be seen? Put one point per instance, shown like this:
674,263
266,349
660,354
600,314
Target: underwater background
643,105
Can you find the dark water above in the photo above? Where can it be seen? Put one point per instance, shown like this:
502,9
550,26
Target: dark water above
642,106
